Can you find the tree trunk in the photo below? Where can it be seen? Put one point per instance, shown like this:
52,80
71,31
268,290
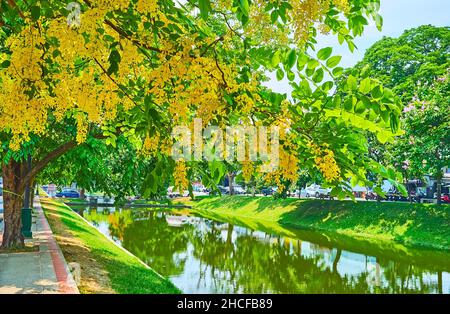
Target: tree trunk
230,182
336,260
82,194
440,290
230,234
13,192
439,189
408,187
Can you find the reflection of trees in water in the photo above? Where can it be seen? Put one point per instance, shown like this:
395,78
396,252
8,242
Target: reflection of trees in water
255,262
215,255
156,243
272,265
404,278
118,223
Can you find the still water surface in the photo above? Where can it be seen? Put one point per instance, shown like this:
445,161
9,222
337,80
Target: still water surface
201,255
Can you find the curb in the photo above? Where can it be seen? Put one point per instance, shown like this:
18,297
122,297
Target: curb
65,279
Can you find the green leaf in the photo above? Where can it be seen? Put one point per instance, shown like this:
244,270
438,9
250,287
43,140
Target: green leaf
338,71
394,122
5,64
401,188
280,74
348,104
379,191
337,101
327,86
385,115
324,53
379,22
334,61
312,64
274,16
365,71
35,12
364,86
304,88
352,83
114,59
318,76
244,7
205,8
275,61
360,107
351,46
301,61
290,75
291,58
377,92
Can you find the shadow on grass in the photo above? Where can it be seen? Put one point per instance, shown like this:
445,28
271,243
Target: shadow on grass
258,204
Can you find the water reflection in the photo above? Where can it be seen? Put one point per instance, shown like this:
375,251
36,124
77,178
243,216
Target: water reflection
203,255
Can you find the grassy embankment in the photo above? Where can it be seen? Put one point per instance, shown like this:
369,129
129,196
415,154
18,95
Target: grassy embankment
420,225
106,268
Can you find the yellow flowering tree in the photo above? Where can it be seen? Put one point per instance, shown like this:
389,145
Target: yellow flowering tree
71,71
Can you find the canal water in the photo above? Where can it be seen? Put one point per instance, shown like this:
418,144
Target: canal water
204,255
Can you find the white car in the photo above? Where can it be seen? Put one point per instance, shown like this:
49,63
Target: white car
238,189
315,190
172,193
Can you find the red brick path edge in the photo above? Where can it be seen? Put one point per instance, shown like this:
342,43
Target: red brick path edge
65,280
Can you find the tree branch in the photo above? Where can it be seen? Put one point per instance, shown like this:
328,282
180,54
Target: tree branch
122,33
40,165
55,154
15,6
114,81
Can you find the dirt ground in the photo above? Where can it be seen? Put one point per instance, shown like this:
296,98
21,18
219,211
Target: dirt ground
94,278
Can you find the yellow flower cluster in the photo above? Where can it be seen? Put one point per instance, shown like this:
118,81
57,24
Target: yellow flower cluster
260,26
303,15
180,176
28,95
325,162
147,6
26,59
151,145
189,82
288,167
342,5
111,5
247,170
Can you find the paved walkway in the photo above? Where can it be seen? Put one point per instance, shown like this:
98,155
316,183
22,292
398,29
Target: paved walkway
44,271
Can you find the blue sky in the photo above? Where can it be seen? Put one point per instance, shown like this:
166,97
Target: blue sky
398,15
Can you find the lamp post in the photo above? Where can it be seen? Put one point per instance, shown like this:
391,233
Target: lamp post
26,210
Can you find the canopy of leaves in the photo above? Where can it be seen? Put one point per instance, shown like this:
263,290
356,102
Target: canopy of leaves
138,68
418,56
415,66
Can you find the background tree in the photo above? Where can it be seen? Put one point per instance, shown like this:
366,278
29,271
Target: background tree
424,147
415,66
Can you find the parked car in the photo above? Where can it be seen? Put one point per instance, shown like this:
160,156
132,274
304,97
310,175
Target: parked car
315,190
371,196
238,190
267,191
68,193
223,190
445,198
172,192
395,196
